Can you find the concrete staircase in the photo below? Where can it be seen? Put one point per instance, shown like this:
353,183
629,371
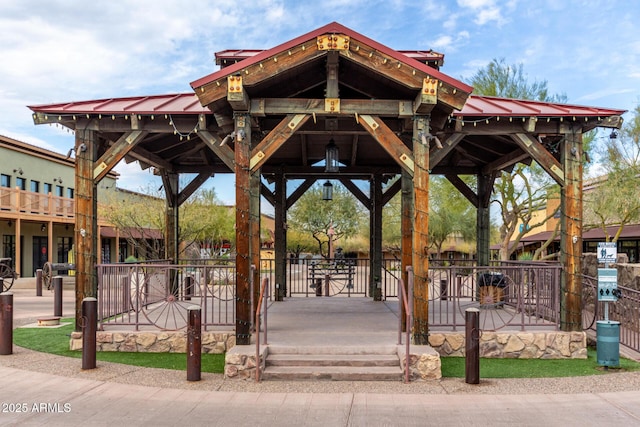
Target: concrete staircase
379,363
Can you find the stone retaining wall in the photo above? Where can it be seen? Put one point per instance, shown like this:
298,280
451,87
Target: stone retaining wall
515,345
156,342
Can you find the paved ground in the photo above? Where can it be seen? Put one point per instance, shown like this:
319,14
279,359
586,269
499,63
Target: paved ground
39,389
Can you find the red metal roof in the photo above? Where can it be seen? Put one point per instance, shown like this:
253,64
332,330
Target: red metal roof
188,103
482,106
333,27
182,103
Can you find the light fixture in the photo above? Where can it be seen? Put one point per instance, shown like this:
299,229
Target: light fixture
43,228
58,180
327,191
18,170
9,223
331,157
613,135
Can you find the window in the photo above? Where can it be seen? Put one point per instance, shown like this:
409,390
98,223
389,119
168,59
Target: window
70,193
59,190
21,183
47,188
35,186
5,180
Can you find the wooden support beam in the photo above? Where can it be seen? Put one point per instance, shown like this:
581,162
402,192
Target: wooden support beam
375,287
406,224
298,192
483,218
237,97
170,183
357,193
348,107
437,154
391,191
505,161
427,98
267,194
332,89
571,233
274,140
537,151
280,236
193,186
389,141
86,227
420,240
116,152
213,141
255,244
243,230
463,188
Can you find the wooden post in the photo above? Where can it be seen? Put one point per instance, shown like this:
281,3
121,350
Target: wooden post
171,189
256,244
405,225
483,220
86,206
280,236
376,238
571,233
243,228
420,229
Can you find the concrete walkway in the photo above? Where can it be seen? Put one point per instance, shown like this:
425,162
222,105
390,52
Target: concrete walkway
41,389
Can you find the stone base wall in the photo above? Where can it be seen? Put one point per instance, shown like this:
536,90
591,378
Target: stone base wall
424,362
156,342
240,362
515,345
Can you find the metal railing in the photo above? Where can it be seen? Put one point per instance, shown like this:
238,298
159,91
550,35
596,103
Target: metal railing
261,302
523,295
156,295
405,301
626,311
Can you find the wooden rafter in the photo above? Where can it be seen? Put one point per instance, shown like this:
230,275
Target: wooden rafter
357,193
116,152
274,140
463,188
302,188
388,140
505,161
348,107
537,151
436,155
192,187
224,153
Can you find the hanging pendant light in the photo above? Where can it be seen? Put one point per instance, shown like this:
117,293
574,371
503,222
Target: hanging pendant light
327,191
331,157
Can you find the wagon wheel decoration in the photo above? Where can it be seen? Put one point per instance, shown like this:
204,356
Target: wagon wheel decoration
221,282
8,276
47,274
492,294
160,301
340,277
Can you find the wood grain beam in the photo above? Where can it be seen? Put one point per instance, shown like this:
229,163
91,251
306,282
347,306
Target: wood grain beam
437,154
388,140
116,152
357,193
505,161
192,187
348,107
267,194
224,153
463,188
391,191
537,151
274,140
298,192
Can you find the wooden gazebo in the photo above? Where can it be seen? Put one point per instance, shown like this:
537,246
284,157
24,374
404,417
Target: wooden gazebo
269,115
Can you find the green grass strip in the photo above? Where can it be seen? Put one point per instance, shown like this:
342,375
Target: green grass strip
56,341
454,367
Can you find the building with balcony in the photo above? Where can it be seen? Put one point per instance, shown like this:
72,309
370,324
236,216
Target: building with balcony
37,208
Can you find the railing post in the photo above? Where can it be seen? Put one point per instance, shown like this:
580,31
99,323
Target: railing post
327,279
6,323
194,343
39,282
57,296
89,328
443,290
188,287
472,346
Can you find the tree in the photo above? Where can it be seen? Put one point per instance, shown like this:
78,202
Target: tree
318,218
613,200
524,189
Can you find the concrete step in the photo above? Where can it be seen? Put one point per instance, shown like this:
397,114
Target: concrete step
332,360
327,349
333,373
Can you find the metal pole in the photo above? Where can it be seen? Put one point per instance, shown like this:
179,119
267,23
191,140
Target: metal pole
472,346
6,323
89,328
57,296
39,282
194,343
327,279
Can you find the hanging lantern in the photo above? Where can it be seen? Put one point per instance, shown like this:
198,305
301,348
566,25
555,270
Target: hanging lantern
331,157
327,191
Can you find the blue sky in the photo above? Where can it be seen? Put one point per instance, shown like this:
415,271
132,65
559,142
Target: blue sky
58,51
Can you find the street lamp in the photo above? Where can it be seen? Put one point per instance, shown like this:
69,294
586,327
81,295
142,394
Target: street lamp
327,191
331,157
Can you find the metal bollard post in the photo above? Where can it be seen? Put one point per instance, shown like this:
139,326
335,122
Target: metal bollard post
327,280
188,288
89,328
194,343
39,282
6,323
57,296
472,346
